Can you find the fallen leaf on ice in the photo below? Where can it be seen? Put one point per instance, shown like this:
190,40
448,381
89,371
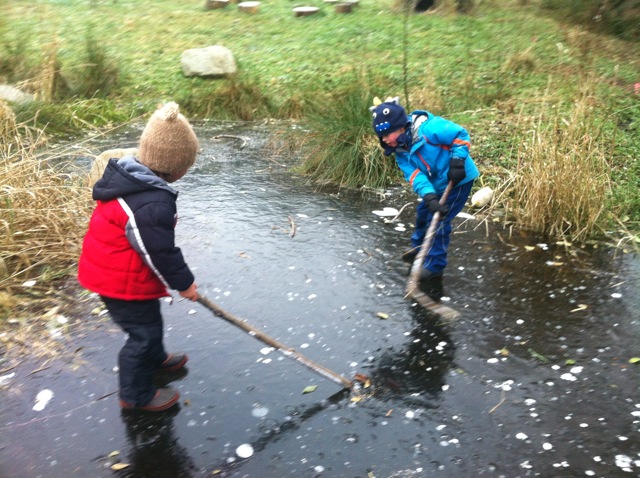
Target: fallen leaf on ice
310,389
119,466
382,315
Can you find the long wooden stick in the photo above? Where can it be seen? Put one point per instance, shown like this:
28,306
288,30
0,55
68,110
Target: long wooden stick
285,350
413,290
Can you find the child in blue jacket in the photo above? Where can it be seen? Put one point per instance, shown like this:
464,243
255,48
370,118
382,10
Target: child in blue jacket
431,152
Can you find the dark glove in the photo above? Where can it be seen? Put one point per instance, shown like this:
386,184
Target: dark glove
431,200
456,170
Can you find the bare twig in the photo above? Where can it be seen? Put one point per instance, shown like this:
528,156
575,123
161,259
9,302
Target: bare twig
399,212
5,370
106,395
293,226
502,399
244,141
39,370
276,162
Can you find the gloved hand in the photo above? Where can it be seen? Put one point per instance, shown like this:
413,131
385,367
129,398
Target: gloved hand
456,170
431,200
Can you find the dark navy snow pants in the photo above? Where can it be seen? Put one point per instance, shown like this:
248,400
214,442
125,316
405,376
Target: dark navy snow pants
436,259
143,351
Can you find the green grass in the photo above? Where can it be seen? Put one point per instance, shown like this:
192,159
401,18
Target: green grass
296,55
506,65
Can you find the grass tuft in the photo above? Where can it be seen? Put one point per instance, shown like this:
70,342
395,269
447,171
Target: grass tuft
339,147
43,214
562,182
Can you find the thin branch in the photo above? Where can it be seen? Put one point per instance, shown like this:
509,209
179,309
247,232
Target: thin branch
293,226
244,141
399,213
502,398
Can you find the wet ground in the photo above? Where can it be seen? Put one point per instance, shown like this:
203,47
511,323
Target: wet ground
535,379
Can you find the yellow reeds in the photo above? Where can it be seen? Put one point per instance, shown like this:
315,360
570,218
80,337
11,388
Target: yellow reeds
43,213
563,180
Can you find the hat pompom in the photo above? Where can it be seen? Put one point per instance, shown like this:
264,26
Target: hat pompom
168,143
169,111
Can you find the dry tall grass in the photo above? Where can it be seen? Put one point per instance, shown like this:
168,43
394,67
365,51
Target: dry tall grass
563,180
43,213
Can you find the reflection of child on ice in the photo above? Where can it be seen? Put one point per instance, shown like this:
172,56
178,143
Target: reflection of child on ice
129,255
430,151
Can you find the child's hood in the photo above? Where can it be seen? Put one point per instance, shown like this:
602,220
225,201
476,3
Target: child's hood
417,118
127,176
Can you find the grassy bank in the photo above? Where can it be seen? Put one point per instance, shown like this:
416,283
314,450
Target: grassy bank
552,108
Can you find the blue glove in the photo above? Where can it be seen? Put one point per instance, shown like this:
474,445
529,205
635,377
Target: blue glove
431,200
456,170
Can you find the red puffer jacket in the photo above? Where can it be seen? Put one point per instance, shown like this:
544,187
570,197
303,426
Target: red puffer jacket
129,250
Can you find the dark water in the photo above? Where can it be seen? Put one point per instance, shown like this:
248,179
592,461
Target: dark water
534,379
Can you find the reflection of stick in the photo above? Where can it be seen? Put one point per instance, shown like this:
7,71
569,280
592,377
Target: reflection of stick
289,424
288,351
293,226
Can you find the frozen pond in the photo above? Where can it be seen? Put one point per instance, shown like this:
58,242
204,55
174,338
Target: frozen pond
535,379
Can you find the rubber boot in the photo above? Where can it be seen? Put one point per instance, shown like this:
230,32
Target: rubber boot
164,399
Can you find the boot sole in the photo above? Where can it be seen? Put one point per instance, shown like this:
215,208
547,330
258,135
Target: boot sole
149,408
175,367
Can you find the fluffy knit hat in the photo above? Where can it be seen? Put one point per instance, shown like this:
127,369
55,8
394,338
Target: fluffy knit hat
168,144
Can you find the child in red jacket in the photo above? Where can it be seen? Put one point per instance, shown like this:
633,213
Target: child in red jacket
129,256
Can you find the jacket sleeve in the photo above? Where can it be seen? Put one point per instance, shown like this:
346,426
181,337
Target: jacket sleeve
156,237
418,180
454,136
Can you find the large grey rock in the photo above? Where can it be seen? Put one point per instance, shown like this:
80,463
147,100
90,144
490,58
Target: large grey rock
213,60
12,94
97,168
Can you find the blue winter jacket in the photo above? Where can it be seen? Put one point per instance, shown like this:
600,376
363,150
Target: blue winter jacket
435,141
